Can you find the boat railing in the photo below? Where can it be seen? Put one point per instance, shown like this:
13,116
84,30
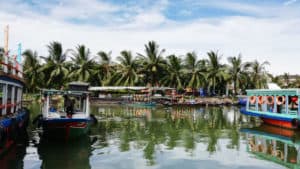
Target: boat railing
290,104
10,66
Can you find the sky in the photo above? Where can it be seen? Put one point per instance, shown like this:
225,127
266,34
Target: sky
266,30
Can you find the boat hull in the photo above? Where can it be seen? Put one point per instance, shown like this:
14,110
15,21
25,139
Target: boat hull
66,128
11,128
275,119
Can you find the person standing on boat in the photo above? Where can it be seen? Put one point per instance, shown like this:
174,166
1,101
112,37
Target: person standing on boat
68,106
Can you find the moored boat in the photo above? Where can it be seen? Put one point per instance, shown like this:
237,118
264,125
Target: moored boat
66,113
276,107
13,117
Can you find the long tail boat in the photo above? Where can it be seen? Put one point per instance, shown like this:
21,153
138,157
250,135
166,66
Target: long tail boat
276,107
278,145
13,117
65,113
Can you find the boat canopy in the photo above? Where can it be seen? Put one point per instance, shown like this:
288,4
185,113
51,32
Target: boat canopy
272,92
63,92
107,88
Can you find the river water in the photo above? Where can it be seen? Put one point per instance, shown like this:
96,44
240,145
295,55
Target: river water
160,137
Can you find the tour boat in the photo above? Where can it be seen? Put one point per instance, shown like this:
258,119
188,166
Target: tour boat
276,107
13,117
65,113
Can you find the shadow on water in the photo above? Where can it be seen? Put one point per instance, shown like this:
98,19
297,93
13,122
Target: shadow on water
13,158
67,155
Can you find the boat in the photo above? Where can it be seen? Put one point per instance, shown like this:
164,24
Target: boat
13,116
242,100
271,143
65,113
278,107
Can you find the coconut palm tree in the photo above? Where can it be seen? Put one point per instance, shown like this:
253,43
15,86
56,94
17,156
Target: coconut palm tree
83,65
55,68
286,79
216,71
259,75
236,69
195,70
153,62
127,70
106,67
174,75
34,77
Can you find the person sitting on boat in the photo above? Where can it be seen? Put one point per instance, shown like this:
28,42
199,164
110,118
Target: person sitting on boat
52,108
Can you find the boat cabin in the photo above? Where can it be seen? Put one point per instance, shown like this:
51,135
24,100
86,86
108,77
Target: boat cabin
283,101
65,104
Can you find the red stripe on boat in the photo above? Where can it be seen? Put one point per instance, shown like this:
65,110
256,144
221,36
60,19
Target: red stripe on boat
279,123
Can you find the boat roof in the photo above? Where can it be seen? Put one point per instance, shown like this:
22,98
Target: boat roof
63,92
270,92
108,88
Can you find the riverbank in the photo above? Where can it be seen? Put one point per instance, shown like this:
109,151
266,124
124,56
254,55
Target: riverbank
196,101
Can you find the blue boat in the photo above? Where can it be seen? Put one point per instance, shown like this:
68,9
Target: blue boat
13,117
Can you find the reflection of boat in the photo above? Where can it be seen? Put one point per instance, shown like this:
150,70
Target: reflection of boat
143,104
66,155
13,117
14,157
71,120
275,107
271,143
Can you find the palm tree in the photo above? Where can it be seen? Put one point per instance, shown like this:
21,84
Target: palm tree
286,79
126,73
174,76
195,70
105,67
259,75
236,69
34,77
153,62
83,66
216,70
55,68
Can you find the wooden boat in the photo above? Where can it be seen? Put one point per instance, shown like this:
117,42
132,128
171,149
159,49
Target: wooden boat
275,107
66,113
271,143
13,117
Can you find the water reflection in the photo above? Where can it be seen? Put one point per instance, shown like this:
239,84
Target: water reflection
67,155
13,158
178,137
151,129
278,145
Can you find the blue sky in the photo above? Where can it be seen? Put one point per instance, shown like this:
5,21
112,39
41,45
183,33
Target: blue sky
258,29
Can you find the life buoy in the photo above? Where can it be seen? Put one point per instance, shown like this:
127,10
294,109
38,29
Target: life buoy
270,100
280,100
294,100
261,100
252,99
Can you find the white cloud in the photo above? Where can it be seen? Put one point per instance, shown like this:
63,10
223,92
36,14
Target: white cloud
289,2
274,39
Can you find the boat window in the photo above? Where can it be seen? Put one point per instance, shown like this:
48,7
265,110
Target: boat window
9,97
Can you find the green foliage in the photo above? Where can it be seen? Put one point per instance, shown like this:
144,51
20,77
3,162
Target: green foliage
150,68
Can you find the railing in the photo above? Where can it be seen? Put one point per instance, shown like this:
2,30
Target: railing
9,65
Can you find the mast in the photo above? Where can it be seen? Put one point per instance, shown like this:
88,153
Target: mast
6,29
